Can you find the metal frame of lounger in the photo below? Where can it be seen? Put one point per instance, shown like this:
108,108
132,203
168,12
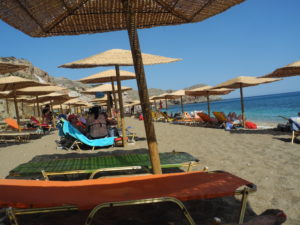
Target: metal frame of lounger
294,135
188,165
14,137
12,212
140,202
77,143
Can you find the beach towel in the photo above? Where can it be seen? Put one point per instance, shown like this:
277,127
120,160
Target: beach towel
295,121
250,125
72,131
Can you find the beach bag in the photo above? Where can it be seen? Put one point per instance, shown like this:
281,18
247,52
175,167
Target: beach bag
250,125
141,117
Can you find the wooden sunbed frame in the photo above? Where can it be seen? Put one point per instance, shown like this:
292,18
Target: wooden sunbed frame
15,137
188,166
156,188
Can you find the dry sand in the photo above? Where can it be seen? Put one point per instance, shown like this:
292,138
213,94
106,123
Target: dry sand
264,157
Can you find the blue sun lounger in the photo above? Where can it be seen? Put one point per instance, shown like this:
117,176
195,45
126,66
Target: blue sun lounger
81,138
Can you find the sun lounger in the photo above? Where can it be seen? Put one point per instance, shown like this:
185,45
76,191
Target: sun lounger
80,138
97,164
187,119
38,124
12,123
34,196
209,121
220,117
15,137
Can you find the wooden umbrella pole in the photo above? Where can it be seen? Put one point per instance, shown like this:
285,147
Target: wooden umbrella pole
51,105
23,109
108,105
38,106
155,105
182,110
166,103
208,104
7,106
61,109
242,104
115,102
142,88
17,110
34,113
121,105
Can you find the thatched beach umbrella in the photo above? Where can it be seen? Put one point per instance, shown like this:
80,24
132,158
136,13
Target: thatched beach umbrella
108,76
207,91
117,58
37,91
289,70
73,102
161,97
9,67
106,88
54,98
100,100
112,76
52,18
12,83
242,81
177,94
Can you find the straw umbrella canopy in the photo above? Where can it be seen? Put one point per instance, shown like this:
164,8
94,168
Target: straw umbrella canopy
37,91
241,82
177,94
8,67
12,83
51,18
207,91
104,88
117,58
160,97
61,107
108,76
100,100
54,98
292,69
76,102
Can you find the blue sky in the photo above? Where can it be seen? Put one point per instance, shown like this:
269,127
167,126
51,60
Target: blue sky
251,39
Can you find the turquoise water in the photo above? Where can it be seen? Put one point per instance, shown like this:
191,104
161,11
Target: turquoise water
266,108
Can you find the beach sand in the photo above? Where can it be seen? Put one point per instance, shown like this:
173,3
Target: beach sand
264,157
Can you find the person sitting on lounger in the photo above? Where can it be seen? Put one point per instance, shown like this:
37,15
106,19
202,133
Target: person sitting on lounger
73,119
97,123
47,115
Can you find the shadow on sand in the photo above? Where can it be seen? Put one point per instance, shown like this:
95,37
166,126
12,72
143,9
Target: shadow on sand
166,213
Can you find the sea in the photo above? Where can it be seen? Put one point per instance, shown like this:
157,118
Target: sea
260,109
